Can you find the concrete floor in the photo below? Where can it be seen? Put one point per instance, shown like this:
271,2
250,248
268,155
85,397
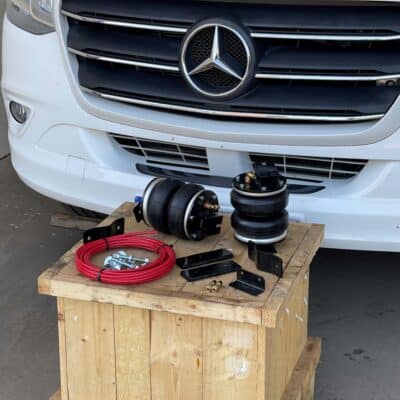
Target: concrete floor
4,148
354,305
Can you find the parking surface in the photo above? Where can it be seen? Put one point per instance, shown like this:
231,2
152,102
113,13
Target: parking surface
354,305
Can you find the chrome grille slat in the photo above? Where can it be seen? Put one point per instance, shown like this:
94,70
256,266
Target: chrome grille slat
123,61
250,115
259,75
314,77
254,34
325,37
123,24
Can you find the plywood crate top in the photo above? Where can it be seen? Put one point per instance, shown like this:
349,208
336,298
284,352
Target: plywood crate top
173,294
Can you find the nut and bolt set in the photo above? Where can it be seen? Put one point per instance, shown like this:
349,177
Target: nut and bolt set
121,260
214,286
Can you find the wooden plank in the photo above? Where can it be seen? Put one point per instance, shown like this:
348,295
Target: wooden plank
157,300
302,379
297,270
230,369
309,387
263,353
286,341
56,395
62,349
46,278
73,222
132,350
90,344
176,357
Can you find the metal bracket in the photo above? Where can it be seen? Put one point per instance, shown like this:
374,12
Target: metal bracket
210,257
138,209
210,271
265,260
249,283
101,232
212,224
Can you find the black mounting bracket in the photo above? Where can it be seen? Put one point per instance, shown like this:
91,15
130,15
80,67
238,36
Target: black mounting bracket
265,259
210,271
138,209
212,224
209,257
249,283
101,232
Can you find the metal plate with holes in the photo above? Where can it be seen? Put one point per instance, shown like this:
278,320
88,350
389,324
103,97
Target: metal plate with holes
101,232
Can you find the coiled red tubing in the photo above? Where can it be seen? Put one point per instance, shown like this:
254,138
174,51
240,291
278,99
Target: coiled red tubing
138,240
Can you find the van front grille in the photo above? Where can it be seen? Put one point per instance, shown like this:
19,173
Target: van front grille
163,153
194,157
323,63
320,168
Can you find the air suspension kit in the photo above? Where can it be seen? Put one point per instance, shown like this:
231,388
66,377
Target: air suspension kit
260,198
188,211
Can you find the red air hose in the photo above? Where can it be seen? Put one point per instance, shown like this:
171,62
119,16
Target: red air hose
150,272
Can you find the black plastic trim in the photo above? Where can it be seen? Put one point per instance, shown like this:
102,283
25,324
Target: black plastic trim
217,181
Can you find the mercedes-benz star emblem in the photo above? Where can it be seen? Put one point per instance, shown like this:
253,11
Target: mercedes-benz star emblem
217,59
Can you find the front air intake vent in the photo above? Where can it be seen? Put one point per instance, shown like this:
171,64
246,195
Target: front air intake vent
319,168
163,153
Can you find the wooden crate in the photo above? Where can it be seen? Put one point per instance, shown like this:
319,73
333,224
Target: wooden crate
171,340
301,385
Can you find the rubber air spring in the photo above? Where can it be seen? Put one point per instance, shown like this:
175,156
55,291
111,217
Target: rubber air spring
260,199
193,213
155,202
185,210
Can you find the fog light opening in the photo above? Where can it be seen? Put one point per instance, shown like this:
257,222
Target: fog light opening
19,112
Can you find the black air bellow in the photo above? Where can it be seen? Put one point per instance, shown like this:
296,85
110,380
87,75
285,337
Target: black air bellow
260,199
185,210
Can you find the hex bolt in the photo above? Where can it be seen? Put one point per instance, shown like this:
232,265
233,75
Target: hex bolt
127,264
121,255
141,260
112,262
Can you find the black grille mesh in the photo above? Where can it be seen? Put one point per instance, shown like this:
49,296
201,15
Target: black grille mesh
200,50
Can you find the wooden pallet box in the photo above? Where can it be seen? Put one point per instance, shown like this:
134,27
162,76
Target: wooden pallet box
171,340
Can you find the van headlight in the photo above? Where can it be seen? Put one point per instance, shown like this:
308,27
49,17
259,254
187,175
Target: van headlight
35,16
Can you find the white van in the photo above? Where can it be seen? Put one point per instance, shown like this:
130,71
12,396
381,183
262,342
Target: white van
104,95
